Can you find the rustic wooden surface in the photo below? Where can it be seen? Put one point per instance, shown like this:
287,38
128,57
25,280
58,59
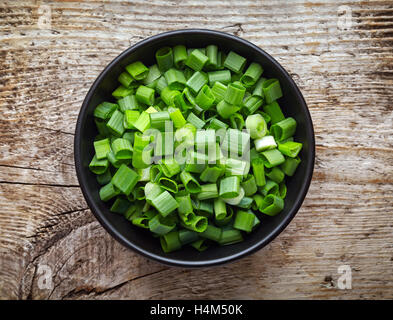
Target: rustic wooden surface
345,70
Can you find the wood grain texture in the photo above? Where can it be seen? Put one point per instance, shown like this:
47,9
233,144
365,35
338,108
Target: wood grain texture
345,74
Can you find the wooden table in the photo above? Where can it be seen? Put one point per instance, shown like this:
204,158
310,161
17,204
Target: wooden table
341,56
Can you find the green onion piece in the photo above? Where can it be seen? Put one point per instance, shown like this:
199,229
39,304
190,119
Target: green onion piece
197,223
102,148
120,205
271,90
122,148
290,148
187,236
104,178
235,200
230,236
170,167
125,179
208,191
229,187
108,191
259,171
249,185
237,121
234,62
164,57
158,120
282,190
155,173
104,110
130,117
179,56
212,233
251,104
217,124
211,174
271,187
128,103
116,162
145,95
245,203
102,128
244,221
163,144
257,126
175,79
185,204
204,208
170,242
143,122
225,110
144,174
284,129
236,167
165,203
205,140
177,117
200,245
168,95
152,190
190,183
197,81
265,143
272,158
139,192
160,225
212,54
115,123
258,88
290,165
161,84
218,91
274,111
235,93
236,142
275,174
196,60
98,166
153,75
126,80
252,74
122,92
195,121
196,162
271,205
222,76
137,70
168,184
220,211
205,98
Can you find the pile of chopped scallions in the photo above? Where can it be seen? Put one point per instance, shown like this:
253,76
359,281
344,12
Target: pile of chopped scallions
195,148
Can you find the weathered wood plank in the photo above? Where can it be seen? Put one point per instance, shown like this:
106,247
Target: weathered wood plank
345,74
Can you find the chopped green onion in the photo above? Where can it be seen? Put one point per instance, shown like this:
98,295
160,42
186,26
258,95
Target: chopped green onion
128,103
211,174
137,70
122,148
234,62
275,174
225,110
98,166
170,242
179,56
265,143
222,76
212,54
230,236
190,183
175,79
271,205
125,179
164,57
165,203
143,122
252,74
104,110
126,80
115,123
130,117
244,221
290,165
108,191
177,117
218,91
196,60
208,191
259,171
229,187
272,158
205,98
168,95
145,95
102,148
158,120
212,233
249,185
197,81
251,104
235,93
257,126
284,129
274,111
194,120
271,90
122,92
290,148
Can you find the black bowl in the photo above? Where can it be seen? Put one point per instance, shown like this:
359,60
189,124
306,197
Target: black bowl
292,103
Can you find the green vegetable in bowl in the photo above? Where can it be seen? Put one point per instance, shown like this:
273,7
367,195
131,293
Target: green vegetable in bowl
195,148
